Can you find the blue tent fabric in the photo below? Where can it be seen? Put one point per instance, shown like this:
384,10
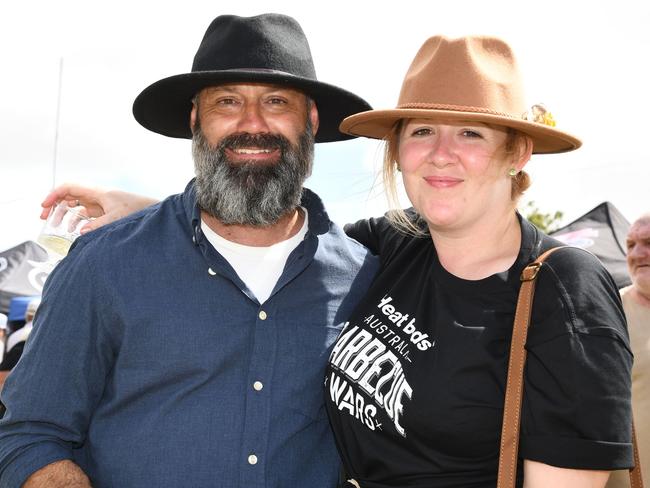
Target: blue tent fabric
602,231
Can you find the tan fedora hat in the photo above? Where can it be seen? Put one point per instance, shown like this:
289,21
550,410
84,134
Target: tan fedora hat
469,78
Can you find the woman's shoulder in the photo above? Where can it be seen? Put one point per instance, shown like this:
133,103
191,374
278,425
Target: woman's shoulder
577,265
577,295
564,261
382,235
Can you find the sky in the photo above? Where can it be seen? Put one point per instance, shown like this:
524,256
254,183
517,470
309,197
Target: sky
71,70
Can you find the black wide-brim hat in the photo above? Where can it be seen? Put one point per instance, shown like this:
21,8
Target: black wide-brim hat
268,48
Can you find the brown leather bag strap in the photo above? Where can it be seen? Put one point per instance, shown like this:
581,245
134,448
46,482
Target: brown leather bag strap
636,479
515,383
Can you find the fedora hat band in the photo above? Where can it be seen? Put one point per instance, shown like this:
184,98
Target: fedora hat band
258,70
456,108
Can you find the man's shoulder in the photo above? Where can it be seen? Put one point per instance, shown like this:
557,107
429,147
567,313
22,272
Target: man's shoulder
334,244
626,291
149,225
633,301
344,243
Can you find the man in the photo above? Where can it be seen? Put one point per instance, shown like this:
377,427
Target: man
636,303
185,345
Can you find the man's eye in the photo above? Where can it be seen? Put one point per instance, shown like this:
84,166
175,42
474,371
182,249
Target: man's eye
277,101
422,131
226,101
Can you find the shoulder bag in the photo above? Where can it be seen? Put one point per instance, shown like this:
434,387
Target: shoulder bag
515,384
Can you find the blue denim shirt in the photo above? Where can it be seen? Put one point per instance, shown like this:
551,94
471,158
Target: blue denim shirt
151,364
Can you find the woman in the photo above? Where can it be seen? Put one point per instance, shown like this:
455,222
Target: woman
415,384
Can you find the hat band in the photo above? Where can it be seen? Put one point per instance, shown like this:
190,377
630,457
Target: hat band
256,70
456,108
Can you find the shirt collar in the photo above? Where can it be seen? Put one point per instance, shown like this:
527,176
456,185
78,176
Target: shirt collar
319,221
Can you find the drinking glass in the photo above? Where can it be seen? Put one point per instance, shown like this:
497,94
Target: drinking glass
61,229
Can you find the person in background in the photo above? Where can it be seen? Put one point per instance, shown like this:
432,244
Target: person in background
14,343
415,383
3,336
3,328
162,356
636,303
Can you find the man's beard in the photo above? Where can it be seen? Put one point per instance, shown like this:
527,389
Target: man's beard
251,193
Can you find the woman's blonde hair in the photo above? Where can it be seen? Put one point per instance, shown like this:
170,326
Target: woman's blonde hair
413,224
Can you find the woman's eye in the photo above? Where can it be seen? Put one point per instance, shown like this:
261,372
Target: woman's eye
471,133
422,131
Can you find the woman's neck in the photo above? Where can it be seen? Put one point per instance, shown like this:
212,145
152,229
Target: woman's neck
489,246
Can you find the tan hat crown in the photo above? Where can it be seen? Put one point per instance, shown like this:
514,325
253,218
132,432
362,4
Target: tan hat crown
471,73
473,78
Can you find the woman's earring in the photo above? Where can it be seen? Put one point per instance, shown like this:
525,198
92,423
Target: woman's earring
513,172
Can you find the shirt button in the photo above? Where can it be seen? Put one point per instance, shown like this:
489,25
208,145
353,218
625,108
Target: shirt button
262,315
252,459
210,272
258,385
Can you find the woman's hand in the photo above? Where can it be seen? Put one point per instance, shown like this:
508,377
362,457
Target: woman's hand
104,206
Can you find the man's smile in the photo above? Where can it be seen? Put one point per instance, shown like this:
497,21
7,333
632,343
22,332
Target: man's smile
259,155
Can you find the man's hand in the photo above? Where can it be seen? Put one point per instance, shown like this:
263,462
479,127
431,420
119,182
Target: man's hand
104,206
60,474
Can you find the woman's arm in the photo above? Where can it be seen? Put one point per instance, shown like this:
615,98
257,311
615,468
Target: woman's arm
104,205
539,475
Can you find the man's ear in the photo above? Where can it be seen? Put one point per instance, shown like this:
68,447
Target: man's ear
193,115
313,116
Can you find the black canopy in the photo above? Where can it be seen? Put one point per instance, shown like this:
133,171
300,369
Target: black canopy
603,232
23,270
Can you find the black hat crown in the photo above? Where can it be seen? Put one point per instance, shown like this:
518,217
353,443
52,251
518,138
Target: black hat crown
270,41
268,48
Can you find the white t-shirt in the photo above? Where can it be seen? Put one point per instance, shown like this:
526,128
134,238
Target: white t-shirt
258,267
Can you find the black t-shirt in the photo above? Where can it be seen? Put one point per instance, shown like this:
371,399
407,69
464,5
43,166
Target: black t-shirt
416,382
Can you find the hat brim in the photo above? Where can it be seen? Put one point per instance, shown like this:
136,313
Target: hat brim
377,124
164,107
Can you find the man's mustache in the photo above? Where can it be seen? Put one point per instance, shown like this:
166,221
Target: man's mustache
261,141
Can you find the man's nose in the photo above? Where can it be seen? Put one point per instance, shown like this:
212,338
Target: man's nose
253,120
639,250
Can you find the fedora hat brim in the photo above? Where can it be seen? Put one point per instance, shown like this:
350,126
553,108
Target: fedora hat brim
377,124
164,106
